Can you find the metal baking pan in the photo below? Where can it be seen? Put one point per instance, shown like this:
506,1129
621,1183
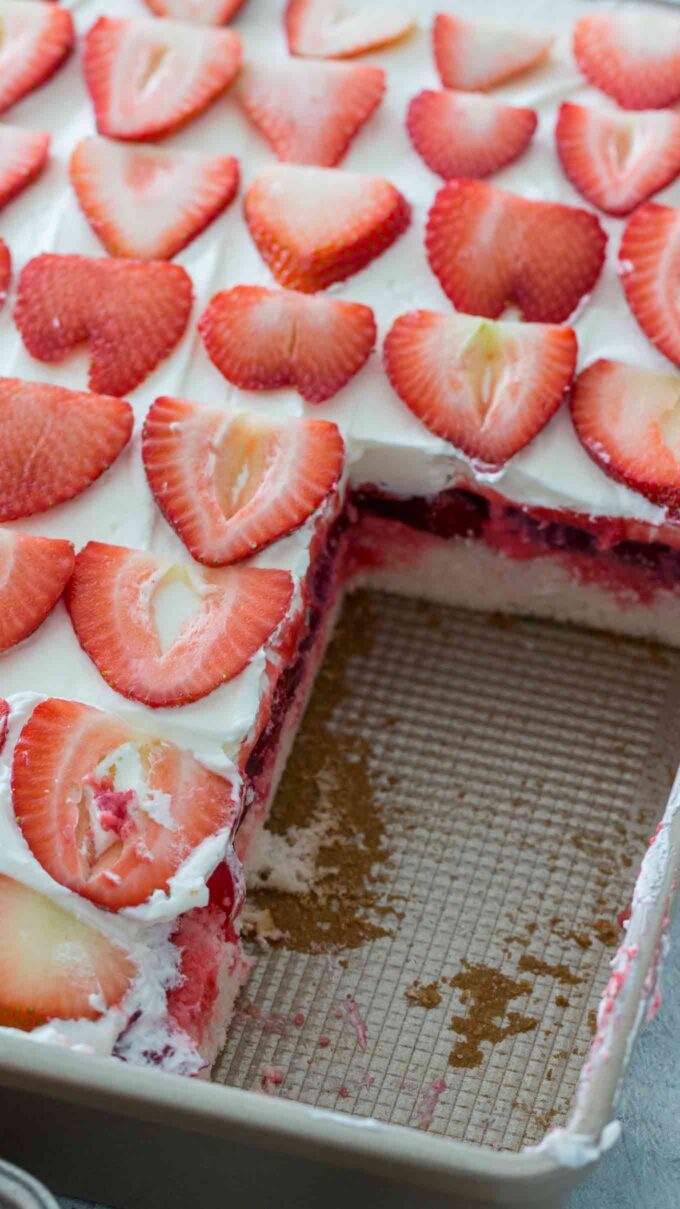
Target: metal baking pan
514,771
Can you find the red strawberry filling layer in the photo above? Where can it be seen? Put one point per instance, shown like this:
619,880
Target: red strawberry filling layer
596,550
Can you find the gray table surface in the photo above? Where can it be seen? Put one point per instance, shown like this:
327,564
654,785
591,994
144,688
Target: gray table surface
643,1170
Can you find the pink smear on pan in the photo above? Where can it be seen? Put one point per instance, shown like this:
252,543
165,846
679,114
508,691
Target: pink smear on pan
272,1077
356,1020
429,1102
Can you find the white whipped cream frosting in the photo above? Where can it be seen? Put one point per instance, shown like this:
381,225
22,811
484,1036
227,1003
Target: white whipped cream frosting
387,445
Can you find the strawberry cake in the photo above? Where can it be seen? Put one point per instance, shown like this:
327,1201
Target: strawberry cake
295,297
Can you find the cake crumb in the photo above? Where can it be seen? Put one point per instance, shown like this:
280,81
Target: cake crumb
299,1019
606,932
343,1092
259,926
324,1041
356,1021
530,964
488,993
327,823
428,996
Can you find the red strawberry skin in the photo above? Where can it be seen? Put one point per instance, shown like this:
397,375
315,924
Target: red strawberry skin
5,271
308,111
649,259
624,418
33,574
617,160
232,484
59,307
486,387
469,135
474,56
203,12
189,70
36,41
490,248
68,438
52,965
262,339
71,793
4,720
23,155
346,222
110,599
179,192
324,29
633,56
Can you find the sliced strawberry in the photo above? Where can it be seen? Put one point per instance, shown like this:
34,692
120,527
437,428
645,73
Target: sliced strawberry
649,259
314,226
326,29
262,339
54,443
632,54
131,313
626,418
617,160
486,387
146,202
4,721
52,965
461,134
489,248
33,574
203,12
5,271
231,483
473,56
112,601
147,77
310,112
109,812
23,155
36,38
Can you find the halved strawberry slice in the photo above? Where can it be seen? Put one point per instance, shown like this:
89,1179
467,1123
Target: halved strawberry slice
147,77
110,812
203,12
112,598
461,134
310,112
486,387
231,483
54,443
473,56
314,226
5,271
617,160
148,202
632,54
33,574
261,339
23,155
489,248
131,313
52,965
36,38
649,260
627,420
327,29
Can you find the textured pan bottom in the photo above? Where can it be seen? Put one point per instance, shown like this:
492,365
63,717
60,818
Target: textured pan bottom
513,772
